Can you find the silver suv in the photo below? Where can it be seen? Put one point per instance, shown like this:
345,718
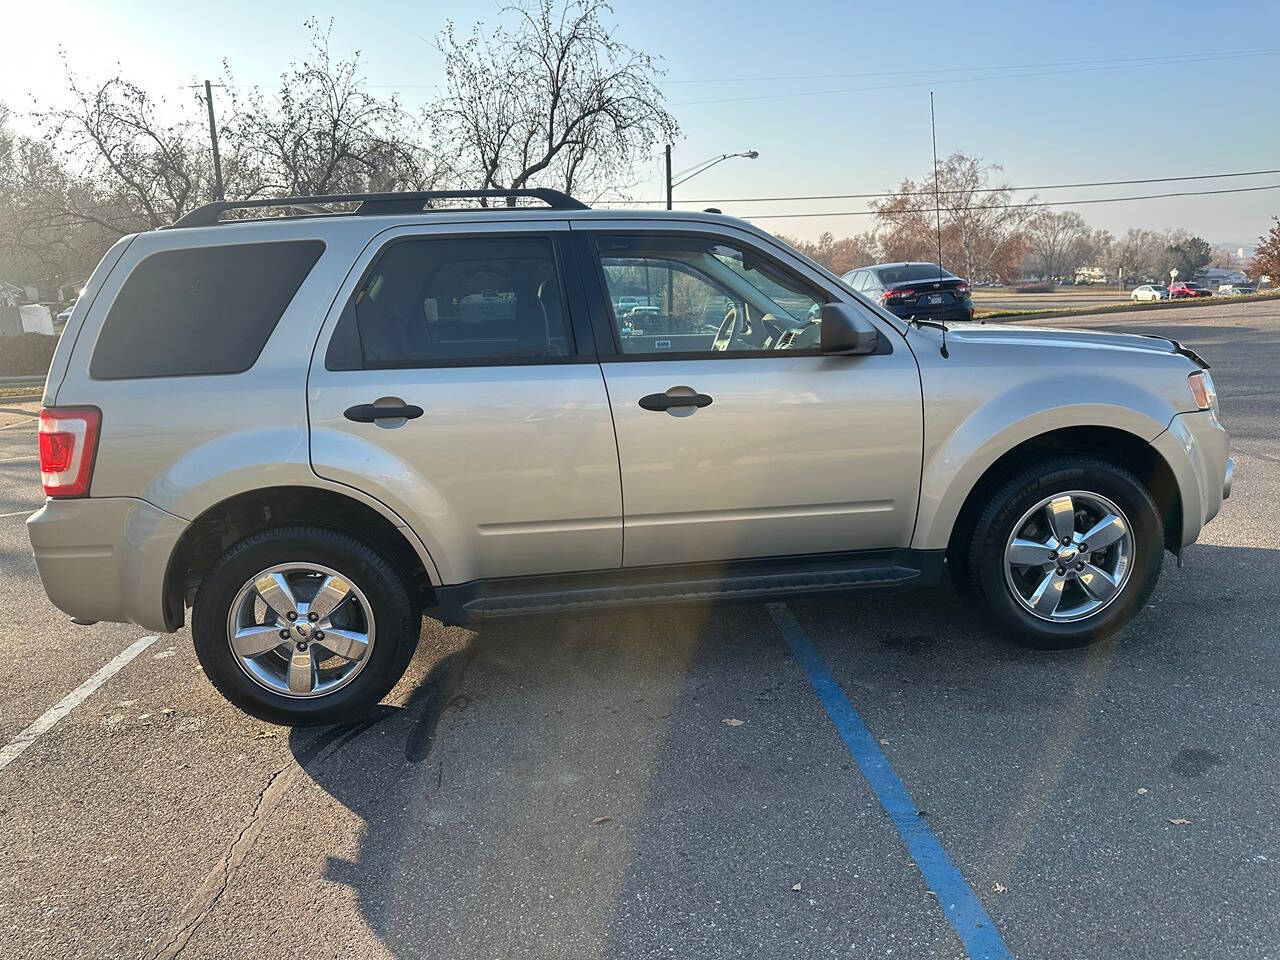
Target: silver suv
312,429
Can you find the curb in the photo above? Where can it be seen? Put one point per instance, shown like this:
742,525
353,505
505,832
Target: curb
999,316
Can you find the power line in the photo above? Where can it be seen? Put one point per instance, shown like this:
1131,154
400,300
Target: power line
929,193
935,82
870,213
1018,206
1141,61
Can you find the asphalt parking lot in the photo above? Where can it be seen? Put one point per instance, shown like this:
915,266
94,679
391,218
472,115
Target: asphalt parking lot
572,788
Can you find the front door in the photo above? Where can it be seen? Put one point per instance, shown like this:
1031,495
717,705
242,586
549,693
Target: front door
737,439
454,386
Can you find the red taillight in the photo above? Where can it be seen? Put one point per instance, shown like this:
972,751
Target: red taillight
962,288
894,294
68,440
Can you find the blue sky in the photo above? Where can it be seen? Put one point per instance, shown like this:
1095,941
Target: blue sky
1057,119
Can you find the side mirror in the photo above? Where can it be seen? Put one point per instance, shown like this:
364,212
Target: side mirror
846,332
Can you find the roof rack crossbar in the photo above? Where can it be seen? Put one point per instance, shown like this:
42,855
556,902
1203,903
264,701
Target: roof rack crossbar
376,204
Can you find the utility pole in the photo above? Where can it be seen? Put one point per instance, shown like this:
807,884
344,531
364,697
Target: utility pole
668,176
213,137
671,293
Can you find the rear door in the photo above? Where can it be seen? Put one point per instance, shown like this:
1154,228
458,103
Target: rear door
452,382
779,450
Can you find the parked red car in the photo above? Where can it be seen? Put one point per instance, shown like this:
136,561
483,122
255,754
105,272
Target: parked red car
1183,289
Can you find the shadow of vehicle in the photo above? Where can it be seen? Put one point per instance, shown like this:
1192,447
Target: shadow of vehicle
571,787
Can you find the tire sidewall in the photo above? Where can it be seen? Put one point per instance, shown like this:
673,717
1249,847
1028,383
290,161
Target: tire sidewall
1020,495
396,625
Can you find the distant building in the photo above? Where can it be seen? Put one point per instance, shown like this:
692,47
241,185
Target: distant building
1214,277
11,294
1092,275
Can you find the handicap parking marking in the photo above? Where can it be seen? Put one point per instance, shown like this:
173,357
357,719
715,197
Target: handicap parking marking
14,748
963,910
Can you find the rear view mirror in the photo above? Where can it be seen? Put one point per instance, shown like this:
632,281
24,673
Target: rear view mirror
846,331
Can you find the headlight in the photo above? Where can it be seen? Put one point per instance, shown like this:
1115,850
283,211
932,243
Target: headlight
1201,384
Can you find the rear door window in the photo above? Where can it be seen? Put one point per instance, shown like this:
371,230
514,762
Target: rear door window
446,301
201,310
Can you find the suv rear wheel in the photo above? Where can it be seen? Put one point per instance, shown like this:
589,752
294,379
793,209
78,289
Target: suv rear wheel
302,625
1066,552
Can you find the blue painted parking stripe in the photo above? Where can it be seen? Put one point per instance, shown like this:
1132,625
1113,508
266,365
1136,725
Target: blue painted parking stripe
963,911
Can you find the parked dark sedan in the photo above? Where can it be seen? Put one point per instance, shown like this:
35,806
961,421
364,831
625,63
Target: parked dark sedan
908,290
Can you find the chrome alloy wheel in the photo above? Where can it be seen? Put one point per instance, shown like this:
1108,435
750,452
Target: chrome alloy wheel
1069,556
301,629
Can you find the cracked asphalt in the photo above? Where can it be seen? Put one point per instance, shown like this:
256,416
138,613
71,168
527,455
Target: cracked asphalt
569,788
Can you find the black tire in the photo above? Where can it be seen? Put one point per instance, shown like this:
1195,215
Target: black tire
398,623
985,562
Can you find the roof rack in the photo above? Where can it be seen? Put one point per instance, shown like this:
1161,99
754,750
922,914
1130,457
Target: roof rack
372,204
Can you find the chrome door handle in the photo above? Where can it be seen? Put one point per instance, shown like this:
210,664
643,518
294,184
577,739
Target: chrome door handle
665,401
371,412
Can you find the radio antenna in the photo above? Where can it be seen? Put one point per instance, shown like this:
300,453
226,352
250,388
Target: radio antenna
937,195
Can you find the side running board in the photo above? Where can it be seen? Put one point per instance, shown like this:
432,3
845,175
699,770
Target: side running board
696,584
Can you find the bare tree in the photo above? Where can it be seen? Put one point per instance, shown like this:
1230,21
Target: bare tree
838,256
1056,242
1136,253
982,224
44,234
320,132
556,100
124,166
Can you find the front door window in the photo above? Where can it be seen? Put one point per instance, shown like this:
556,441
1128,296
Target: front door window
680,295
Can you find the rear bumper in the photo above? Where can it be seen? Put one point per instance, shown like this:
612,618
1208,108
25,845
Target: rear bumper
1196,448
105,558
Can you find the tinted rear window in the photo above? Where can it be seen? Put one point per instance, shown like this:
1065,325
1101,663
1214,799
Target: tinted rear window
912,271
200,311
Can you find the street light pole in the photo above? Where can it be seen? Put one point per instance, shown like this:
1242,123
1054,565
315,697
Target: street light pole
690,172
668,176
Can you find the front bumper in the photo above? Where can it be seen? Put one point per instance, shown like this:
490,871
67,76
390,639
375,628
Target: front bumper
104,558
1196,448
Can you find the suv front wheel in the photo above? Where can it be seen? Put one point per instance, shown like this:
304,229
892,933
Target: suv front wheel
1067,551
304,625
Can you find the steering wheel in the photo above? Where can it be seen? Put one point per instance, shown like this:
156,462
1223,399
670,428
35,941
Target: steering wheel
724,336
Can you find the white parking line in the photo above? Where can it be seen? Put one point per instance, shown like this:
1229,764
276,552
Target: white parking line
13,749
19,423
29,456
20,513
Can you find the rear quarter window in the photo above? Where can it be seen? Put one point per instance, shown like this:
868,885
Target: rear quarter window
200,311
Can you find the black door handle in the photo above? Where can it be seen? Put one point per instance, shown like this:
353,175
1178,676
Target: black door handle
664,401
370,412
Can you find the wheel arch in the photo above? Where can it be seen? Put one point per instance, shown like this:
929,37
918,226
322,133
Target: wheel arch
1113,444
229,521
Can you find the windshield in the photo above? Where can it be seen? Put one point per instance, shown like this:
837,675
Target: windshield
913,271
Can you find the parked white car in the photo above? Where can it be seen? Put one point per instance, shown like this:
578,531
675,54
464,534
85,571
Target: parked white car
1150,291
